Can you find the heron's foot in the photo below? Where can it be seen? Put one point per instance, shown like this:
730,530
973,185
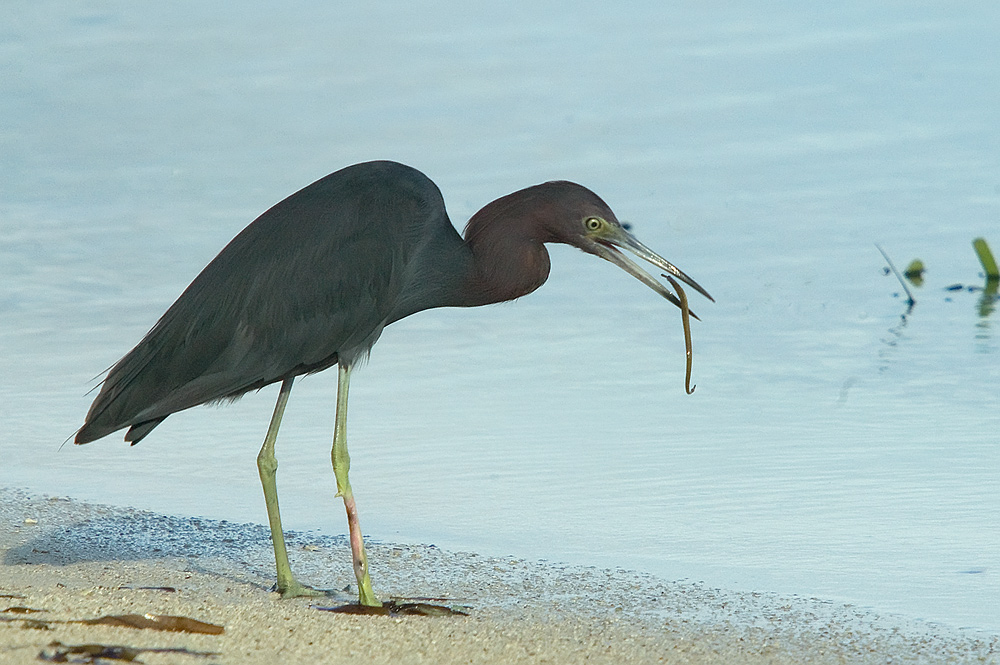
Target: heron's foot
298,590
366,596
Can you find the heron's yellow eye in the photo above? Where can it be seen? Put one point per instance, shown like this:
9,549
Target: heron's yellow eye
593,223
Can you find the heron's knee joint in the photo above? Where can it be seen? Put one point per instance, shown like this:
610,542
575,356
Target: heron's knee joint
267,464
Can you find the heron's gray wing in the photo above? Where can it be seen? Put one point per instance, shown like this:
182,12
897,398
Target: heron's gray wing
310,281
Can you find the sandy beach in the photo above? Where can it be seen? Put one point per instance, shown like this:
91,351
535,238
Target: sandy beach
65,562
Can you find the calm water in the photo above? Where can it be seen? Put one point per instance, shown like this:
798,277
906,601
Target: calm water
834,447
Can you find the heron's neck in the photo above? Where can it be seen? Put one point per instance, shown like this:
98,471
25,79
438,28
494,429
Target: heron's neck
508,251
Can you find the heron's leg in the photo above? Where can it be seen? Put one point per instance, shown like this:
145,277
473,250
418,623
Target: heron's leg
341,466
267,465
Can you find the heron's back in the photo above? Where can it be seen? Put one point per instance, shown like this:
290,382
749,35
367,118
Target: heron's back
309,283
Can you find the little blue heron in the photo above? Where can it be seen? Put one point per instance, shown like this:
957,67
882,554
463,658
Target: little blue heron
312,282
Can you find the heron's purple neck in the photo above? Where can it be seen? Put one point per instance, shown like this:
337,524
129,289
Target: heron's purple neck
507,239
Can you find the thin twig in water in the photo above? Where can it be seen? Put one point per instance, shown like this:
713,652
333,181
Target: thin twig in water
909,296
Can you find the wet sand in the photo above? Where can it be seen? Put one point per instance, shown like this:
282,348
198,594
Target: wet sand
72,561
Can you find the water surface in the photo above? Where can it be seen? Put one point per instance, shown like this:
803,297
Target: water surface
836,446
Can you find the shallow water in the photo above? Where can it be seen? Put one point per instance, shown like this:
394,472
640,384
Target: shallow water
835,447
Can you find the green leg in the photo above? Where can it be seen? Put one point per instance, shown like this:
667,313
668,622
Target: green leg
341,466
267,465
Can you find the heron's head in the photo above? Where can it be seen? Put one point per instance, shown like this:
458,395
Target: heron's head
578,217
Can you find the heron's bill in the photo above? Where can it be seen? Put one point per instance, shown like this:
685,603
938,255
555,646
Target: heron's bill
607,248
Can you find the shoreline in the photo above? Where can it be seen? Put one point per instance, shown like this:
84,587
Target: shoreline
75,561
